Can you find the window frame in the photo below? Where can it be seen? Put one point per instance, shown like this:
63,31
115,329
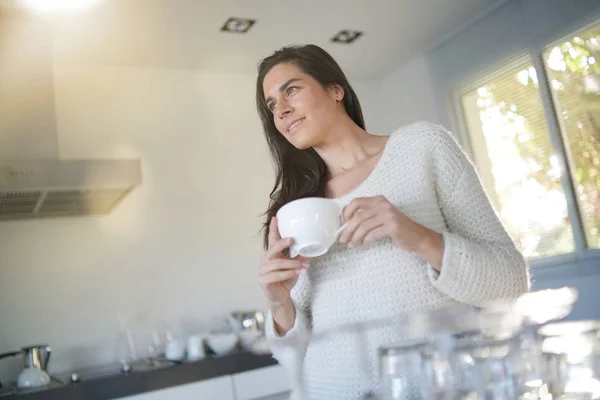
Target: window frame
583,256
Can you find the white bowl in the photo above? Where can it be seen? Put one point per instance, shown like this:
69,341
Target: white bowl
222,343
261,346
247,338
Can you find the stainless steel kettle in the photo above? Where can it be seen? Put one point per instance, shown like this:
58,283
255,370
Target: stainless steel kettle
35,365
37,356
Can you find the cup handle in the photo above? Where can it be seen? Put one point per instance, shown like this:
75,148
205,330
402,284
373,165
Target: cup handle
293,253
341,205
339,231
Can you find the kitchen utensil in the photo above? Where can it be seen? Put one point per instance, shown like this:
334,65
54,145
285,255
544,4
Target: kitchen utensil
250,320
36,364
248,338
195,348
222,343
35,360
175,350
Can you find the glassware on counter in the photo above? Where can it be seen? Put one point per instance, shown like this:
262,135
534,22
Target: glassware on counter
572,350
498,352
401,371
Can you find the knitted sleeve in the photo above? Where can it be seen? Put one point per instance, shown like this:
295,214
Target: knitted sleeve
290,348
480,261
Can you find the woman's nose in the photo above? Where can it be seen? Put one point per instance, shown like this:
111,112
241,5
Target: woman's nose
284,109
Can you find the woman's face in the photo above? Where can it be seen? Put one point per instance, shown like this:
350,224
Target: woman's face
303,111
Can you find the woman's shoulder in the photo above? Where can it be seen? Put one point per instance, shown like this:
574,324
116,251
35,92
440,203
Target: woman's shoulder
426,137
416,137
426,143
422,130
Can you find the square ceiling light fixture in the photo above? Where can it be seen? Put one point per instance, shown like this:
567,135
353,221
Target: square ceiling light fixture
346,36
238,25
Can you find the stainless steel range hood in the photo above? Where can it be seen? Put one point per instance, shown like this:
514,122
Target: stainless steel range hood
34,181
58,188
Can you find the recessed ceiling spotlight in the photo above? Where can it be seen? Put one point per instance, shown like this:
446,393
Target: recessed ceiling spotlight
346,36
238,25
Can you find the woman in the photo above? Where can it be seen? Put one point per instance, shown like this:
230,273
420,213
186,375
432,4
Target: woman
421,233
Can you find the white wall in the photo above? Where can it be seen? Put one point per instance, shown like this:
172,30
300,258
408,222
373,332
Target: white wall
403,97
26,88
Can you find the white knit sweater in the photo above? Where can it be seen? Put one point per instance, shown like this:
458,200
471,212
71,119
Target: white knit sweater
427,176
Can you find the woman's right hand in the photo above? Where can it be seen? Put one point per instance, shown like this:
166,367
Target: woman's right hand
278,273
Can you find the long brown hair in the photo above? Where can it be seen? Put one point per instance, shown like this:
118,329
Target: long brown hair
300,173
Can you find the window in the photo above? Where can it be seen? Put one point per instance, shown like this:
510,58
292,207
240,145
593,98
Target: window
520,165
513,151
573,68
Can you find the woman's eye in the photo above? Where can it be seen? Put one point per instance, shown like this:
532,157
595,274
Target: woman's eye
271,106
291,90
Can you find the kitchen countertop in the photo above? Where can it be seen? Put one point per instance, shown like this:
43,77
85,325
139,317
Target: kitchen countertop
136,382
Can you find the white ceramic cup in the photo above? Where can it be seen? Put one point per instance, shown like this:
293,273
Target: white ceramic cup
175,350
314,222
195,348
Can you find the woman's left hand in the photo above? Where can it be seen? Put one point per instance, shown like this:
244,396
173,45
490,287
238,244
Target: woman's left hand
373,218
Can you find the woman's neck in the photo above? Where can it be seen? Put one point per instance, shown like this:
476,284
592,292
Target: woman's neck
347,146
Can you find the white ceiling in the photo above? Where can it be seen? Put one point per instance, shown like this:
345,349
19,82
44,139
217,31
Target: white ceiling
185,34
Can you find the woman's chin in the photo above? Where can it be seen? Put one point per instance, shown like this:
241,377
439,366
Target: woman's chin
300,141
302,146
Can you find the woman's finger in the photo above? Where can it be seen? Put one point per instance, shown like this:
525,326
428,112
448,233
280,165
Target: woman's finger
375,234
278,276
361,203
273,232
355,222
364,229
281,264
277,247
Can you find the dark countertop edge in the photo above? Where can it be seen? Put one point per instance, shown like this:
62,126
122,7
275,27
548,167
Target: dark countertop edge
137,382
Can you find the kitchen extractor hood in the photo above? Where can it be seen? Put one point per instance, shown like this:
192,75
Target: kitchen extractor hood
59,188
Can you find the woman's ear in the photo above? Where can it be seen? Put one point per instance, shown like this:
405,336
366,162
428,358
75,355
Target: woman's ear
337,92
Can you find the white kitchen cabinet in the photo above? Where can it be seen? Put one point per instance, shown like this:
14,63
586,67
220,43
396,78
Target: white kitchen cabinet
211,389
269,383
261,383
